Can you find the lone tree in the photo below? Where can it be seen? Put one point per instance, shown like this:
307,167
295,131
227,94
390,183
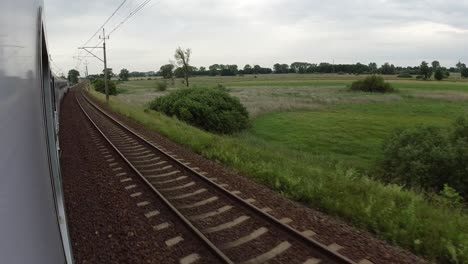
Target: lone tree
124,75
167,71
426,71
464,72
110,73
439,74
73,76
182,58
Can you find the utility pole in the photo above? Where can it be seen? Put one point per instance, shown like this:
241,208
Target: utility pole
105,65
103,60
86,67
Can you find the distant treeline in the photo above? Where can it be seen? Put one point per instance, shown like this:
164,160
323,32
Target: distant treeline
425,70
169,71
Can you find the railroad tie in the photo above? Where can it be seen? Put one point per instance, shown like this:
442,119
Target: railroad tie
145,203
254,235
174,241
212,213
161,226
152,214
227,225
201,203
308,233
170,181
135,194
286,220
186,195
312,261
270,254
179,187
189,259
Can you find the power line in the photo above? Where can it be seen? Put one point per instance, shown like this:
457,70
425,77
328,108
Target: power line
134,12
100,28
130,15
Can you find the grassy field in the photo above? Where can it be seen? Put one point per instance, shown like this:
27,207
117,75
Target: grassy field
316,142
351,134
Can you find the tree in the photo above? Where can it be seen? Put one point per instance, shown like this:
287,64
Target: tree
183,59
435,65
257,69
387,69
300,67
167,71
73,76
425,70
439,74
229,70
277,68
110,73
459,66
248,69
179,73
373,67
464,72
124,73
214,69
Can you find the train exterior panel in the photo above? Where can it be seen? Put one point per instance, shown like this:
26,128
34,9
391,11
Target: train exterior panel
32,214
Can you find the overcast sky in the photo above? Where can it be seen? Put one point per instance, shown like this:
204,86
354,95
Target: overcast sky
403,32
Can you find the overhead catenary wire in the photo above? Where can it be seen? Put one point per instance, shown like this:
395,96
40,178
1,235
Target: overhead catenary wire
130,15
100,28
105,23
134,12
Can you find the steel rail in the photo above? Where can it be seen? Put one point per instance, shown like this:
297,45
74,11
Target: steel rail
195,230
311,242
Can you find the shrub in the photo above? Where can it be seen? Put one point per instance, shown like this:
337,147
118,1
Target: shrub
449,197
372,84
419,77
459,141
99,86
417,157
427,158
405,75
161,86
207,108
439,74
221,87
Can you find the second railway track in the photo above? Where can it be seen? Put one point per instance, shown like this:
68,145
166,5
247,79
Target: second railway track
233,228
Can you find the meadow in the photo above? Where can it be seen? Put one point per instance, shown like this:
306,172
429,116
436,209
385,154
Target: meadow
316,142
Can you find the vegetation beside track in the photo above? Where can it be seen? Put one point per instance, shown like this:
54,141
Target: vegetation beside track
400,216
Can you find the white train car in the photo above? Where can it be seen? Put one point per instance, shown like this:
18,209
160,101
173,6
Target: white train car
33,224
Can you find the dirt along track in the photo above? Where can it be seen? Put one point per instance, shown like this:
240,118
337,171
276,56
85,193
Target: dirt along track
109,223
242,235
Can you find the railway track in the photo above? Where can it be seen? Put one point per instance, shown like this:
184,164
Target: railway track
233,229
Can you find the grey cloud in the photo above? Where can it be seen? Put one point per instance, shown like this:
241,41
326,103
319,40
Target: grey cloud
265,31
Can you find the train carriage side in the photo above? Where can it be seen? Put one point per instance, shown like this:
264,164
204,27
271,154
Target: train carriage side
32,214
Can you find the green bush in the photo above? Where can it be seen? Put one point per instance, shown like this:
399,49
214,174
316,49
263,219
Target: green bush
439,74
405,75
427,158
99,86
372,84
161,86
417,157
207,108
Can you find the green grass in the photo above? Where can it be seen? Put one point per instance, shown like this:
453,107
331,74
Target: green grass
351,134
400,216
